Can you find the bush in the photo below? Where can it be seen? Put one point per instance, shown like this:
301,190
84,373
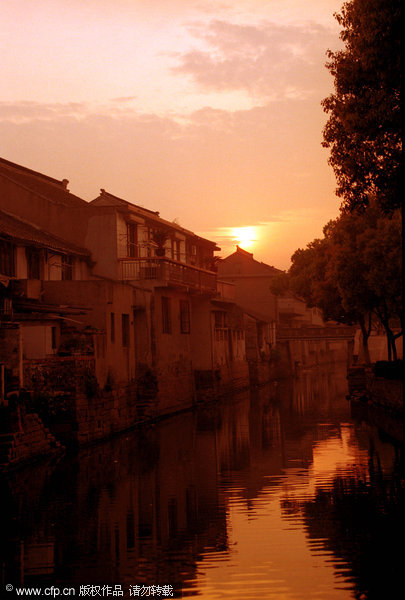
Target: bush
389,370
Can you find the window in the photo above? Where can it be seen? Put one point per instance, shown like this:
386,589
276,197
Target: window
132,240
220,329
7,264
112,327
184,316
33,263
67,267
125,330
219,317
176,250
166,315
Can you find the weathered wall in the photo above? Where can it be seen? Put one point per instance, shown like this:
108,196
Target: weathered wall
101,240
309,353
172,354
100,298
11,350
37,339
66,396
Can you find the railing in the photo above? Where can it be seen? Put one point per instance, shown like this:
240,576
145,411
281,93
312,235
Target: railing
315,333
167,271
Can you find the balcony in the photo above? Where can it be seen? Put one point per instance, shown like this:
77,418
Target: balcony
165,271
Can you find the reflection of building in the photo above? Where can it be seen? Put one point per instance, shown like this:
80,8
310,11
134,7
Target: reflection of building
140,509
153,506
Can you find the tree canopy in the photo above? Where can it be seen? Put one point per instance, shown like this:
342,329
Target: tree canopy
363,131
353,274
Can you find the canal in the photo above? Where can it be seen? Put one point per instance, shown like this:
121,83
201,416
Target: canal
285,493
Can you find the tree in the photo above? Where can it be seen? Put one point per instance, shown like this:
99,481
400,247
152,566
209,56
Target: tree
363,131
311,279
382,250
367,267
353,274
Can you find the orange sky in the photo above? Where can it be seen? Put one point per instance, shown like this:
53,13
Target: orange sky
206,110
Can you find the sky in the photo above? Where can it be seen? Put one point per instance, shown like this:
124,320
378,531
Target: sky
205,110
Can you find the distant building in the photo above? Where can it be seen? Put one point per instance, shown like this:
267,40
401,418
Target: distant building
293,312
251,280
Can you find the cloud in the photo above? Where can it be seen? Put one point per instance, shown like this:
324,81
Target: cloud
26,110
268,60
124,99
211,168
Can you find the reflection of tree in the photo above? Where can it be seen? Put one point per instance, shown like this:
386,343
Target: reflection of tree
359,521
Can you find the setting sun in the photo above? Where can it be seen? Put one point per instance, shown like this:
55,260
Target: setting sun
244,236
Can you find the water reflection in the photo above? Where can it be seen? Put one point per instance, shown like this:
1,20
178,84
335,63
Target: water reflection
280,494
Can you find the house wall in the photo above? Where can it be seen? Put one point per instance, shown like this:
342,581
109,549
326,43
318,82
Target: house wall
51,266
172,354
21,269
115,362
229,351
202,334
252,282
101,239
254,293
37,339
11,350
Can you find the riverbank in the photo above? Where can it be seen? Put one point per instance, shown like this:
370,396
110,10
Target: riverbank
368,385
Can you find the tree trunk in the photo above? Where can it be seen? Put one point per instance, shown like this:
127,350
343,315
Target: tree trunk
365,334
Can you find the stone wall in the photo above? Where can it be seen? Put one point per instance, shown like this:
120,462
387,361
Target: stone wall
64,392
27,438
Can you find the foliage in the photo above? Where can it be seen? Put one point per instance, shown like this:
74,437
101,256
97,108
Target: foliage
364,127
280,284
160,236
353,274
311,279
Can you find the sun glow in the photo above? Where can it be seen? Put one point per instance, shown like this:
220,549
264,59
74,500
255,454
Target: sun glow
245,237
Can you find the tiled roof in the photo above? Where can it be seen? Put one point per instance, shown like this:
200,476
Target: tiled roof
14,228
51,188
240,253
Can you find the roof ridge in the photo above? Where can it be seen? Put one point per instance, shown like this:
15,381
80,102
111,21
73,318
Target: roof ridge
106,193
60,182
40,194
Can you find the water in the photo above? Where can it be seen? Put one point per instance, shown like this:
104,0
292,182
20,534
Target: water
284,494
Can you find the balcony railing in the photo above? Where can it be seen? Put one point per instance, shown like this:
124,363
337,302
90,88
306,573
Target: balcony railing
167,271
